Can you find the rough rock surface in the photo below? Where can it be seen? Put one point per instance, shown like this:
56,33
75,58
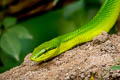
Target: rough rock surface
91,59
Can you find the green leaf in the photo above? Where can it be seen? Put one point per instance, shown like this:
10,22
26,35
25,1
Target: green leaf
20,32
115,67
0,24
9,21
72,8
55,2
7,61
0,28
10,45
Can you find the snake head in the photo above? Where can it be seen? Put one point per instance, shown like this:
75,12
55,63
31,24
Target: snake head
44,52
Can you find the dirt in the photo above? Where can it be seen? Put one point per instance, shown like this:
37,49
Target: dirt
91,60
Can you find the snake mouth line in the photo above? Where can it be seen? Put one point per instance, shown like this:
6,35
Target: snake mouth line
40,53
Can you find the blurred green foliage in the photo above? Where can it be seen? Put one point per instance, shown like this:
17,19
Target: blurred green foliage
17,39
116,67
10,44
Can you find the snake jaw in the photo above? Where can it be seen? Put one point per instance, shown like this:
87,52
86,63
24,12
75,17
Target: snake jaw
44,54
35,56
45,51
38,54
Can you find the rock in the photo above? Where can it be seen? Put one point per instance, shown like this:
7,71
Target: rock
79,63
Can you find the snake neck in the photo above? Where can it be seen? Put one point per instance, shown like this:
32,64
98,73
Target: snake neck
104,21
107,15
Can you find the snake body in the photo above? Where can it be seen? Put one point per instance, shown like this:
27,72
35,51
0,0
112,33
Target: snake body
103,21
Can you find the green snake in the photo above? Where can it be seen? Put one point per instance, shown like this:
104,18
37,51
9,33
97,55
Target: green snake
103,21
